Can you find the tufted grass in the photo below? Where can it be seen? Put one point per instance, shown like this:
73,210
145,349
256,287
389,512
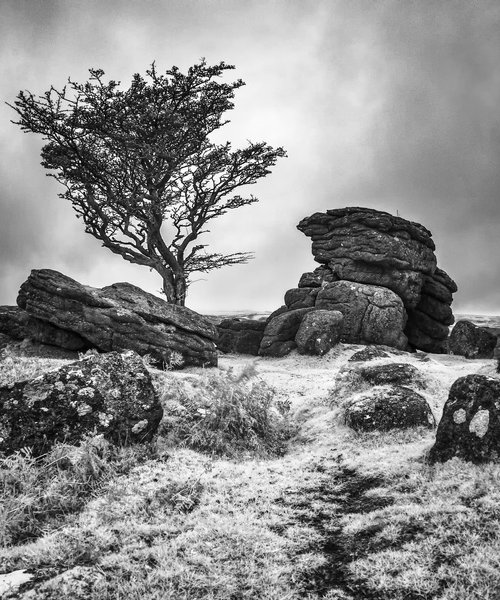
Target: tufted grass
231,414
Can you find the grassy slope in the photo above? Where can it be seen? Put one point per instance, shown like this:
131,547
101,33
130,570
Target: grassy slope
341,516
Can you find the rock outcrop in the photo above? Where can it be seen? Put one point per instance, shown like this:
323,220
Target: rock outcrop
111,394
471,341
470,425
118,317
381,272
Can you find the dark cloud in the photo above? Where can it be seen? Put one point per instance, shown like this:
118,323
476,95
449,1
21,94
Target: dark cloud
389,104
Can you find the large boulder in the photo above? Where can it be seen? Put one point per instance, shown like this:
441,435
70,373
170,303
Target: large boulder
319,332
241,336
111,394
280,332
372,314
470,425
469,340
372,247
119,317
384,408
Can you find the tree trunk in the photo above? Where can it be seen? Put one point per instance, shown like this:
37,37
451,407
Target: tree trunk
174,288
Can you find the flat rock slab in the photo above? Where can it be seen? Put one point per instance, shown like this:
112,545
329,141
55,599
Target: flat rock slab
119,317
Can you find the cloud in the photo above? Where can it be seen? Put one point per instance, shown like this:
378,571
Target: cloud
390,104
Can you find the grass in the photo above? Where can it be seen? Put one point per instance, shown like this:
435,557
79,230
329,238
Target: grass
225,414
335,514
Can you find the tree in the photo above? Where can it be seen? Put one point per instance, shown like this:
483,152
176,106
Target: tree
139,167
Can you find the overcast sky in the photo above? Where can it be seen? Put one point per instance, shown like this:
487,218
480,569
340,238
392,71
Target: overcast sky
391,104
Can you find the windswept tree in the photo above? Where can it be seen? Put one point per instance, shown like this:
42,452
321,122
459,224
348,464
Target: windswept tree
139,167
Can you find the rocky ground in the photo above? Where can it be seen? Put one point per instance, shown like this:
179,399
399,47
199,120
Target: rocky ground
342,515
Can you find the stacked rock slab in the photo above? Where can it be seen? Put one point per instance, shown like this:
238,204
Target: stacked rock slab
374,248
115,318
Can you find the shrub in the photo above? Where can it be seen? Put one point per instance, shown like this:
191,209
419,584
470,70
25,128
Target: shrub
225,414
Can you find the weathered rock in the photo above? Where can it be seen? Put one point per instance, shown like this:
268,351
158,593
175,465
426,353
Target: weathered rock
301,297
372,314
471,341
242,336
280,332
319,332
13,322
119,317
384,408
368,353
470,426
373,247
110,394
391,373
279,311
317,277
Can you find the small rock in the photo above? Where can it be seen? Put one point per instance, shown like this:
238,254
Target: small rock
384,408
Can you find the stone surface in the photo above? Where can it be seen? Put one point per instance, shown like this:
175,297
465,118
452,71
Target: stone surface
384,408
471,341
119,317
368,353
470,425
109,393
372,247
280,332
13,322
301,297
319,332
372,314
241,336
391,373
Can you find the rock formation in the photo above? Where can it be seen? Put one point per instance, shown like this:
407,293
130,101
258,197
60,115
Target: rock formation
109,393
470,425
118,317
381,272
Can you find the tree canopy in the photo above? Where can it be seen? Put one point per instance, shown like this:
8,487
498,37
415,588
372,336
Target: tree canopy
139,167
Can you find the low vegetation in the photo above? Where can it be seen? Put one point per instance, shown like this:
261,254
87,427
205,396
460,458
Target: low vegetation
226,414
230,504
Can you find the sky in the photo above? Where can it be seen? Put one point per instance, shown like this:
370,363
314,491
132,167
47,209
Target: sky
388,104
